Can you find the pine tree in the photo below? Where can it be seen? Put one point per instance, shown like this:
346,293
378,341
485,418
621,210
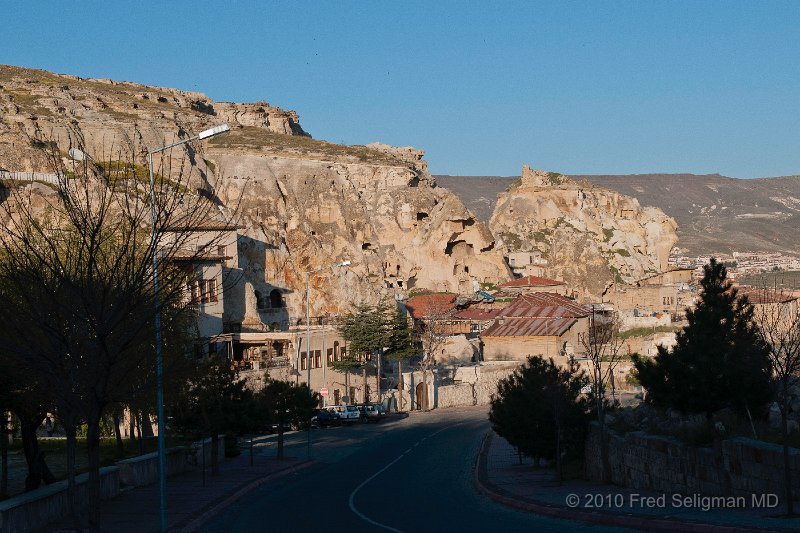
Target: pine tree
213,401
719,359
540,410
359,329
281,402
401,346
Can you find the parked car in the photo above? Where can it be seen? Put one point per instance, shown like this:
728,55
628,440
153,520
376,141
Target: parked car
324,418
346,413
273,427
372,412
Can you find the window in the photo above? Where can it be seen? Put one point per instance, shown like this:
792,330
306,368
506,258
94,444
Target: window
209,291
337,396
203,291
303,361
318,359
342,353
330,355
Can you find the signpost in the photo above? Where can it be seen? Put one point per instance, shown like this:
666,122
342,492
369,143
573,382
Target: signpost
323,392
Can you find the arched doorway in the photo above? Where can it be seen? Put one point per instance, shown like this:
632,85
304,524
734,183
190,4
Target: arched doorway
275,299
422,397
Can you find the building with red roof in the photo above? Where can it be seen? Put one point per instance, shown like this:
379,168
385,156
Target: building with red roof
539,323
431,305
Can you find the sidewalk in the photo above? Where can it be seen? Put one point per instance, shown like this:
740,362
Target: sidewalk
500,476
190,504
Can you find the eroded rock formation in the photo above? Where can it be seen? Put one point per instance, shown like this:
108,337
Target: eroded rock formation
303,204
589,236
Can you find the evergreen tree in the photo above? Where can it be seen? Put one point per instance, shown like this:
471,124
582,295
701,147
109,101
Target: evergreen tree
719,359
366,332
539,409
213,401
401,346
281,402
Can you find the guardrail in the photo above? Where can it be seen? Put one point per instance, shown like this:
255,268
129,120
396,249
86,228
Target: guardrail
30,176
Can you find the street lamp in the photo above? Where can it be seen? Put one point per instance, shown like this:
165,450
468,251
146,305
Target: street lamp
308,331
162,458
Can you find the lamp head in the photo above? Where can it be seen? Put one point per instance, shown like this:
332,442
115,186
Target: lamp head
216,130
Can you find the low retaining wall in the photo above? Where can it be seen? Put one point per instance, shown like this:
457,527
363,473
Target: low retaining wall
664,464
143,470
199,453
36,509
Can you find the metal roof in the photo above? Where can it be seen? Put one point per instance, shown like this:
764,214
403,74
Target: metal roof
477,314
529,327
544,305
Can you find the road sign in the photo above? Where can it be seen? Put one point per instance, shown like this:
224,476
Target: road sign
323,392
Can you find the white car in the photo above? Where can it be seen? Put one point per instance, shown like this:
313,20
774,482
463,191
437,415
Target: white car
346,413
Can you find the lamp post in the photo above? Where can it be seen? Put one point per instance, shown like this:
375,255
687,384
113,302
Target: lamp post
162,458
308,332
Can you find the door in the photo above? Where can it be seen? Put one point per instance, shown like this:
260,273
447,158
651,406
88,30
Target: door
422,397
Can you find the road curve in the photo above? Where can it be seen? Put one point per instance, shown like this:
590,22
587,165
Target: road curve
410,475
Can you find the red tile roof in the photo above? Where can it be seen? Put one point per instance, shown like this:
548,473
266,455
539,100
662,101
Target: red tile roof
529,327
544,305
532,281
426,305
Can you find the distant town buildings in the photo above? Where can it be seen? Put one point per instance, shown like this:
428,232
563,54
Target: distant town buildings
739,263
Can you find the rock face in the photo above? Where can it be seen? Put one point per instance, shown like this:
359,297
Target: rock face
303,204
589,236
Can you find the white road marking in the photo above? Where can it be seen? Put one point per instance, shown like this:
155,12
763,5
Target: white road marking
364,517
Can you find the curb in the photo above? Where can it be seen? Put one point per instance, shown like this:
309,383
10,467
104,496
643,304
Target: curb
206,517
609,519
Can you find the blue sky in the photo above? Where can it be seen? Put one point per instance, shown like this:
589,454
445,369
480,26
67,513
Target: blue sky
482,87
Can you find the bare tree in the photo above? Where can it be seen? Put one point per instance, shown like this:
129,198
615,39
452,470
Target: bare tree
602,346
777,317
76,271
434,336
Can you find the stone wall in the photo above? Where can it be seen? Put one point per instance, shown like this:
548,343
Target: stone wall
739,466
143,470
466,385
35,509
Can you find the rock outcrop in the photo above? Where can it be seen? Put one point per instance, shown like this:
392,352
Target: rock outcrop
303,203
588,236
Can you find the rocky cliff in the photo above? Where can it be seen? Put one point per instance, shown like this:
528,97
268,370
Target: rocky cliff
303,203
588,236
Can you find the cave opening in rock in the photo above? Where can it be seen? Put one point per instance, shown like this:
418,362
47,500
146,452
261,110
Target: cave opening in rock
459,249
275,299
366,246
422,215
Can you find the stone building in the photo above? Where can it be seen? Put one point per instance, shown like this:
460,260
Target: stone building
208,252
541,323
285,355
531,284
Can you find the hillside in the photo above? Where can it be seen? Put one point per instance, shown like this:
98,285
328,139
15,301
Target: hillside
303,203
714,213
586,235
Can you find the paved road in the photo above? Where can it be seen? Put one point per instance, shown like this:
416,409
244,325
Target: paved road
414,474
